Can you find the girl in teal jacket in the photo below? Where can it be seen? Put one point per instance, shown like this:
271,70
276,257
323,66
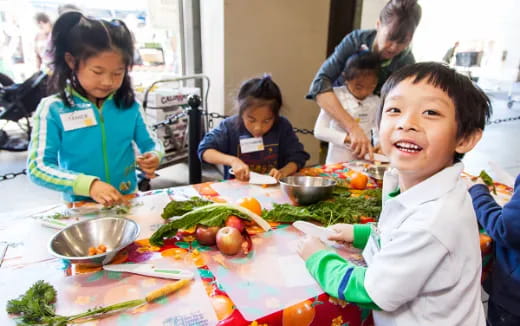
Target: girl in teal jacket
83,138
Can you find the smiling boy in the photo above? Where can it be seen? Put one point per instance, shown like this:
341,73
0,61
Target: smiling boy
423,258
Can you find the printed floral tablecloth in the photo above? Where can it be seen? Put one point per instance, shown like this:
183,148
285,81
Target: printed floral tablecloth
206,301
80,288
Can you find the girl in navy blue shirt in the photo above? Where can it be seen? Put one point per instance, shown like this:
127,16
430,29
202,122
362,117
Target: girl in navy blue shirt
257,138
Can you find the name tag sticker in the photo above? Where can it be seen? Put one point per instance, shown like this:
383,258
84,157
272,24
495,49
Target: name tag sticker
249,145
372,247
78,119
362,118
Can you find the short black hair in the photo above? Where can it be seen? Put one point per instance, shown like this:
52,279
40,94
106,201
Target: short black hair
472,106
257,92
359,63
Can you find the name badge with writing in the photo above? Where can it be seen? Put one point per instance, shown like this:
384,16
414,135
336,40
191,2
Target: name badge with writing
248,145
78,119
372,247
362,118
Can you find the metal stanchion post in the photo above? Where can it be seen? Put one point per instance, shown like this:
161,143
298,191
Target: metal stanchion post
194,121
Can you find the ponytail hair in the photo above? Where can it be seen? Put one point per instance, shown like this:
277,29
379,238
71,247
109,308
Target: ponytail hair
402,16
84,38
258,92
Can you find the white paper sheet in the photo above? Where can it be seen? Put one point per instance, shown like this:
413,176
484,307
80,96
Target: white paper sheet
294,272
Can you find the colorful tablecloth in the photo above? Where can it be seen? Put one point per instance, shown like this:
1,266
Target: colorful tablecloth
206,301
226,291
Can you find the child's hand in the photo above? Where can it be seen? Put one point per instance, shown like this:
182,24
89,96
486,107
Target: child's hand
240,169
148,163
470,182
277,174
308,246
344,233
105,193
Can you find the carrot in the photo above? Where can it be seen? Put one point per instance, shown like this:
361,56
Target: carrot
165,290
101,248
92,251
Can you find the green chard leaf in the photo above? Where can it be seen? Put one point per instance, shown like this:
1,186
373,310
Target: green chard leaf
488,181
178,208
209,215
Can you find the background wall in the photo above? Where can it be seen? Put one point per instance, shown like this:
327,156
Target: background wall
286,39
370,13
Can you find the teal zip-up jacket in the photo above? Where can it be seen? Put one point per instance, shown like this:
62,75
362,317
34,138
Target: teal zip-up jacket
69,161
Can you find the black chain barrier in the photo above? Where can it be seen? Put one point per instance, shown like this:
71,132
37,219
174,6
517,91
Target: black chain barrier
170,120
496,121
12,175
213,115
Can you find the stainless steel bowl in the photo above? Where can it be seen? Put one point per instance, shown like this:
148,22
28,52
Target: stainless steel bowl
304,190
376,171
73,242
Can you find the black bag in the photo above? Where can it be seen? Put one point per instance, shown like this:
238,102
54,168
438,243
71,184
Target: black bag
19,101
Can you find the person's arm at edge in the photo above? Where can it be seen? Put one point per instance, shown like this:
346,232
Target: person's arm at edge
501,223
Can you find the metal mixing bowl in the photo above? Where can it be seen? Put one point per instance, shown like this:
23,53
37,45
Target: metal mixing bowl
376,171
304,190
73,242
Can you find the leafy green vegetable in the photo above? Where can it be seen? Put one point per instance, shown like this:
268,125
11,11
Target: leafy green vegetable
36,305
286,213
60,216
342,208
178,208
209,215
488,181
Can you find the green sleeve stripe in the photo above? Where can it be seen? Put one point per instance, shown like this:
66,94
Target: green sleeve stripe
159,154
361,235
344,282
340,278
356,292
38,174
82,185
37,166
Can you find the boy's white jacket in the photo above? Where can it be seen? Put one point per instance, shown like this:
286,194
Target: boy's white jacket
69,161
429,266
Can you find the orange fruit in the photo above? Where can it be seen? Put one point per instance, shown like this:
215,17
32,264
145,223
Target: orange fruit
300,314
222,306
356,180
485,243
252,204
